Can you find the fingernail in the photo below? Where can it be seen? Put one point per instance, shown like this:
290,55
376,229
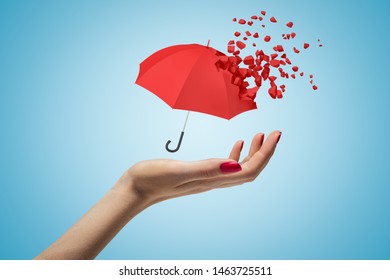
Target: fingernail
230,167
242,145
277,141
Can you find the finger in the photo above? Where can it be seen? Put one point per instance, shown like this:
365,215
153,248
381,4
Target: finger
260,159
209,168
256,144
236,150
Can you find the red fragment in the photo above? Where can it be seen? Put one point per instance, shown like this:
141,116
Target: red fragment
315,87
290,24
296,50
230,49
282,62
256,35
237,52
295,68
250,23
302,73
263,13
272,79
263,25
311,81
237,33
278,48
231,42
305,45
260,18
320,45
311,76
248,33
272,19
254,44
265,73
288,36
279,94
293,76
274,55
245,38
266,57
275,63
234,19
237,81
283,55
267,38
240,45
253,17
288,60
242,21
272,91
249,60
293,35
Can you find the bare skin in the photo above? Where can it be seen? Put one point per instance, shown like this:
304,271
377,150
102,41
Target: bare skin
152,181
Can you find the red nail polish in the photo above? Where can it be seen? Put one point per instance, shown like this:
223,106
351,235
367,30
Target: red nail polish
277,141
242,145
230,167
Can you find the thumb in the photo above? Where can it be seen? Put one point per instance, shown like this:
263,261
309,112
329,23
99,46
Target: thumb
211,168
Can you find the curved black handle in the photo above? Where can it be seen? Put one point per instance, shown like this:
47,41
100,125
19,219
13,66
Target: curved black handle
178,145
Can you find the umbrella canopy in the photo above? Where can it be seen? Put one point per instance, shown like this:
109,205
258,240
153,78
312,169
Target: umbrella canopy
187,77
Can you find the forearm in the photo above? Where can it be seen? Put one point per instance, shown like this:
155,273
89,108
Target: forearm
88,237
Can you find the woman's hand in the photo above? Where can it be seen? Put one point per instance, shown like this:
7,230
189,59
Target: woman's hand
149,182
158,180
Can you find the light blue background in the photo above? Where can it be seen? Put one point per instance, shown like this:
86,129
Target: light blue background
72,120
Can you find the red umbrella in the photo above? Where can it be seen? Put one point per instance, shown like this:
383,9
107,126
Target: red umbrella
187,77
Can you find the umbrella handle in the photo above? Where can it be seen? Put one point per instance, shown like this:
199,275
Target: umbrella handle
178,145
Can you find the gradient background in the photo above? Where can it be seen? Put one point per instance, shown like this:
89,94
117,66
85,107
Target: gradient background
72,120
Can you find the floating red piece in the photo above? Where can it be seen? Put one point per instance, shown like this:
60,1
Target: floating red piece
288,60
231,42
275,63
311,76
248,33
295,68
267,38
320,45
263,25
249,60
296,50
302,73
263,13
254,44
260,18
245,38
290,24
234,19
253,17
293,35
256,35
278,48
272,19
237,33
305,45
293,76
272,91
242,21
240,45
274,55
250,23
315,87
230,49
